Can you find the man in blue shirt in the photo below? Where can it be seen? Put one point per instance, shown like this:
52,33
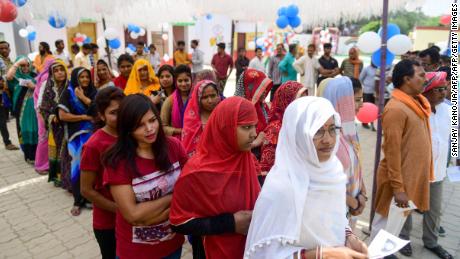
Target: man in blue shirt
288,73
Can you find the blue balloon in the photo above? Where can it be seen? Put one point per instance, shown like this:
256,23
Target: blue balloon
137,29
448,52
282,22
114,44
87,40
131,47
376,58
282,11
32,36
392,30
131,27
209,16
295,21
57,21
19,3
292,11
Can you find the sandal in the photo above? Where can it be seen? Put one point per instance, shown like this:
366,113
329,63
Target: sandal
406,250
75,211
440,252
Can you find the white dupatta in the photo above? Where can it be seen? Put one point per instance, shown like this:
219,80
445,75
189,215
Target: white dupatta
302,203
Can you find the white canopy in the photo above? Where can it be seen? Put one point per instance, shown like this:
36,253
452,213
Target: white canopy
148,12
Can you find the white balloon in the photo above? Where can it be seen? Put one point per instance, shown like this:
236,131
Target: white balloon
164,36
166,57
78,35
84,36
399,44
133,35
165,26
30,28
251,45
129,51
142,32
260,41
369,42
23,33
80,43
298,29
110,34
101,42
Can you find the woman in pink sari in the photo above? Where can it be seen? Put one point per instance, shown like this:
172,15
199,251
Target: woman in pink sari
173,109
41,155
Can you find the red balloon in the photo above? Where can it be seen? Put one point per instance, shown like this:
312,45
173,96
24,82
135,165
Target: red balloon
368,113
445,19
8,11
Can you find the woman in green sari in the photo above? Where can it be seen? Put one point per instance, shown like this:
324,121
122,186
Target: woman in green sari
21,84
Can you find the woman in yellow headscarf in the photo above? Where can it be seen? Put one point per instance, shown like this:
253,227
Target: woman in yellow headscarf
142,79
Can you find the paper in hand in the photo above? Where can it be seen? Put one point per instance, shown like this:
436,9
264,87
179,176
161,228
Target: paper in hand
385,244
397,217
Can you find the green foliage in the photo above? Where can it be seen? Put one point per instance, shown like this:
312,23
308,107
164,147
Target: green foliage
404,19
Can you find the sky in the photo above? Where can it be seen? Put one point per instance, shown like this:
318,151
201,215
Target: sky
436,7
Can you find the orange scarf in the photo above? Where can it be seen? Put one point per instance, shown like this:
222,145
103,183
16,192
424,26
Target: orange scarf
356,66
420,105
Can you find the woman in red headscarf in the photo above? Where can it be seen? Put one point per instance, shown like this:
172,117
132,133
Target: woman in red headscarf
216,192
283,97
254,85
203,100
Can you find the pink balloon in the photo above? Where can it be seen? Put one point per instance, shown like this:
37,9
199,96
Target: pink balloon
8,11
368,113
445,19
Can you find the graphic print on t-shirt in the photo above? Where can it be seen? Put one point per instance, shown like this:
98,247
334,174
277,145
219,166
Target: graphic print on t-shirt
151,187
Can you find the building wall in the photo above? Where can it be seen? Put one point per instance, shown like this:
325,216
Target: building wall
423,37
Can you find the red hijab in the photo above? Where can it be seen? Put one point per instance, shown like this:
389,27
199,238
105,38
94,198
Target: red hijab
219,178
193,127
254,85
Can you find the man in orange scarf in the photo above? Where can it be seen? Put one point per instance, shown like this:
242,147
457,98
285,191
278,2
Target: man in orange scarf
352,66
405,172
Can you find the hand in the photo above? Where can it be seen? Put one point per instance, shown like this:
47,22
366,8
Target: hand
362,205
30,85
79,93
55,119
341,253
401,200
357,245
156,99
242,221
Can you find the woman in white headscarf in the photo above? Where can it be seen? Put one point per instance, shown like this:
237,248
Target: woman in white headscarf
301,211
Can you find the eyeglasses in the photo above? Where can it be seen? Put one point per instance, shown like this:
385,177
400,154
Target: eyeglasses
439,89
333,131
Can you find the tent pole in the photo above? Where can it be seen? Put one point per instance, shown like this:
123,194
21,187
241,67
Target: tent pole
381,100
107,50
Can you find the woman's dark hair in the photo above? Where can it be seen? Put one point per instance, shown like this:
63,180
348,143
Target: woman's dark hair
402,69
130,113
46,46
125,57
102,102
182,69
356,84
170,69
